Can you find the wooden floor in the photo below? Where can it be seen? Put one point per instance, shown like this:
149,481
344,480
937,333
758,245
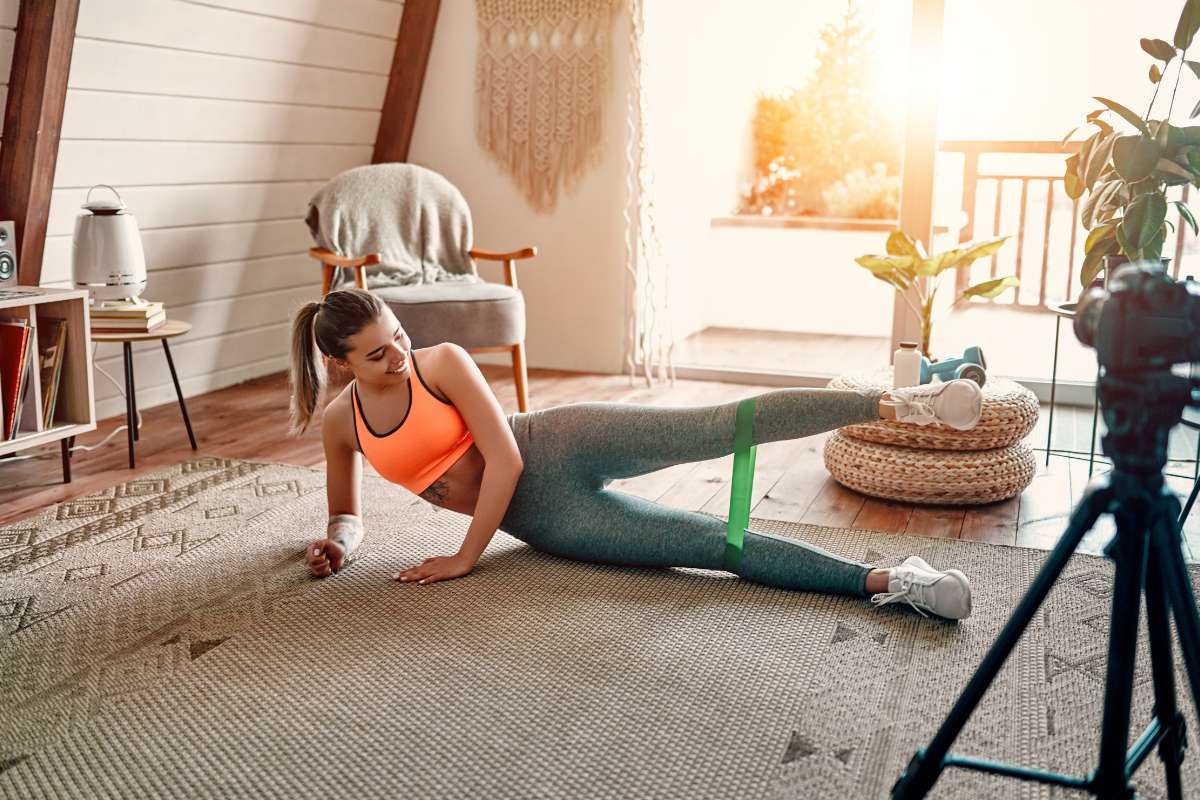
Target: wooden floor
248,421
1029,354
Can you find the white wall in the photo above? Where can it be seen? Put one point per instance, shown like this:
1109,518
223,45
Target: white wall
216,121
575,289
8,25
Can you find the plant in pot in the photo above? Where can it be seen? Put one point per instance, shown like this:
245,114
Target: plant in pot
1126,175
907,265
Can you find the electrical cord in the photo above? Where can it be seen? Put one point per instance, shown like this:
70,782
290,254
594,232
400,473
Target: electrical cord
103,441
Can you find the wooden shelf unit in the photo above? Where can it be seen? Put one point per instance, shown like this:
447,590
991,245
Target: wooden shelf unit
75,408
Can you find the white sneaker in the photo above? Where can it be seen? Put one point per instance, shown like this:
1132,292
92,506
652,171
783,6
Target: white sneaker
957,403
947,594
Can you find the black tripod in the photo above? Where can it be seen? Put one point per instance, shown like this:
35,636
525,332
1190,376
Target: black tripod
1140,411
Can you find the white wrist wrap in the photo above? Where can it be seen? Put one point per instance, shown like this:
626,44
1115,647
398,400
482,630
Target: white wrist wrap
345,529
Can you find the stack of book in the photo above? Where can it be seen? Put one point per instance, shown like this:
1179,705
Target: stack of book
128,318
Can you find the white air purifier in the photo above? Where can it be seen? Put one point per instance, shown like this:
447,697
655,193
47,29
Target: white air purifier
106,253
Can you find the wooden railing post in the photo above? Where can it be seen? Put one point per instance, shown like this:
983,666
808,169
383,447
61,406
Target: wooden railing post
970,188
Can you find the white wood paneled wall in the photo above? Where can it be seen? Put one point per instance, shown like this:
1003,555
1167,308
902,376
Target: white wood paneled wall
8,34
216,120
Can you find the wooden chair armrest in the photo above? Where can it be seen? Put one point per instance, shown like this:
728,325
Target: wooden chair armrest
516,255
334,260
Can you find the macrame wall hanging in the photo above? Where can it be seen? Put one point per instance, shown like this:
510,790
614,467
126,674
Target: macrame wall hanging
541,75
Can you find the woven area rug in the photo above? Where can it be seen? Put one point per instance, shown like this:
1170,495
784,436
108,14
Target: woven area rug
163,639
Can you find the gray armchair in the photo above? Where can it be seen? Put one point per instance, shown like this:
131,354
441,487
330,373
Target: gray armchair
406,233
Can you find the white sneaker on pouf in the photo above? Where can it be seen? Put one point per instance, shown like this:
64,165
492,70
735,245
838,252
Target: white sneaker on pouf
957,403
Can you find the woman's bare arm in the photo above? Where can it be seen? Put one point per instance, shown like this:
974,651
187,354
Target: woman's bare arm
343,482
464,385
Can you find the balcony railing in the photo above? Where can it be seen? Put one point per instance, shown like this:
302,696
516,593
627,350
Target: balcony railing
1035,271
1044,281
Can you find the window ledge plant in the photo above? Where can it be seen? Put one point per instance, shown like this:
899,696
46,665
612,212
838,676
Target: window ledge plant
907,265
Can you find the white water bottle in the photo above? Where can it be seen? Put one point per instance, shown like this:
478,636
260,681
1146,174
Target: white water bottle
906,366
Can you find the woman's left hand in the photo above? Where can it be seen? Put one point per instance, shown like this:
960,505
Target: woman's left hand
438,568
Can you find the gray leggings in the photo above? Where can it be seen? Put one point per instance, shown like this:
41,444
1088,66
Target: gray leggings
572,452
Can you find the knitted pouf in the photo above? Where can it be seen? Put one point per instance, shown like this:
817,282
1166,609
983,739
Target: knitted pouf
1009,413
911,475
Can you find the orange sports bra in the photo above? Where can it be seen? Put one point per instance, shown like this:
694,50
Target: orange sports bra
427,441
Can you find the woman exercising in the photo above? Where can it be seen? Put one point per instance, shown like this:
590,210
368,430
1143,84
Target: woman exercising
427,420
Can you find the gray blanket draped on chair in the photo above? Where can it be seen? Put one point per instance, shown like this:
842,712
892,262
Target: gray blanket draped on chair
416,220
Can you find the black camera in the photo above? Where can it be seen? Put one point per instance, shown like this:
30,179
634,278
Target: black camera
1144,321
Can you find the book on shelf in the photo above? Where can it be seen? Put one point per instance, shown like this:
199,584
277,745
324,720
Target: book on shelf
14,349
27,408
52,342
129,324
151,308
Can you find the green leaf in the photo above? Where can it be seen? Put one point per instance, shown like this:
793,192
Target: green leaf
1135,156
1097,235
1155,73
1085,157
1186,214
1189,23
883,264
1072,183
900,243
993,288
1097,201
1099,156
1162,133
1193,159
1127,115
1094,260
1181,137
1126,248
1165,165
1152,250
1195,111
1143,219
963,256
1161,50
1194,66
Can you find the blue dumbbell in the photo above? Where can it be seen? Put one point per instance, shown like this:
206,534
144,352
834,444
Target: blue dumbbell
971,366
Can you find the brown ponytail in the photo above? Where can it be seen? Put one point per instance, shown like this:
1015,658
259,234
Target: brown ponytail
323,328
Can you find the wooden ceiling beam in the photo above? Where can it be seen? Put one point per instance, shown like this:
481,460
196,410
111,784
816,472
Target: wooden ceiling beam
399,116
37,93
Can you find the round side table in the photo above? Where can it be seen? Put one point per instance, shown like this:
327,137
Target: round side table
167,330
1067,311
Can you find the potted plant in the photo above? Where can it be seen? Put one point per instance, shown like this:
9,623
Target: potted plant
906,263
1126,175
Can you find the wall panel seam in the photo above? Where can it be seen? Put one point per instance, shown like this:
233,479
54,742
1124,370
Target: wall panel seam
227,100
289,19
170,48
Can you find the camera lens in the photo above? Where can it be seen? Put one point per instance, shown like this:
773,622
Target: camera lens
1087,315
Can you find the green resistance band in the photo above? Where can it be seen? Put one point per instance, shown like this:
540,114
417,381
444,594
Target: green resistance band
743,482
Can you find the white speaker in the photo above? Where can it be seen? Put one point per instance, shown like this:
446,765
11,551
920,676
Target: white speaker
8,254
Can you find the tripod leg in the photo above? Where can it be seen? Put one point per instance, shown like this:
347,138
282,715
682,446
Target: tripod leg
1128,551
926,766
1179,594
1191,501
1170,749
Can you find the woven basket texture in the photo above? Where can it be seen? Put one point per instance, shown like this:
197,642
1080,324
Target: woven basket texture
940,477
1009,413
